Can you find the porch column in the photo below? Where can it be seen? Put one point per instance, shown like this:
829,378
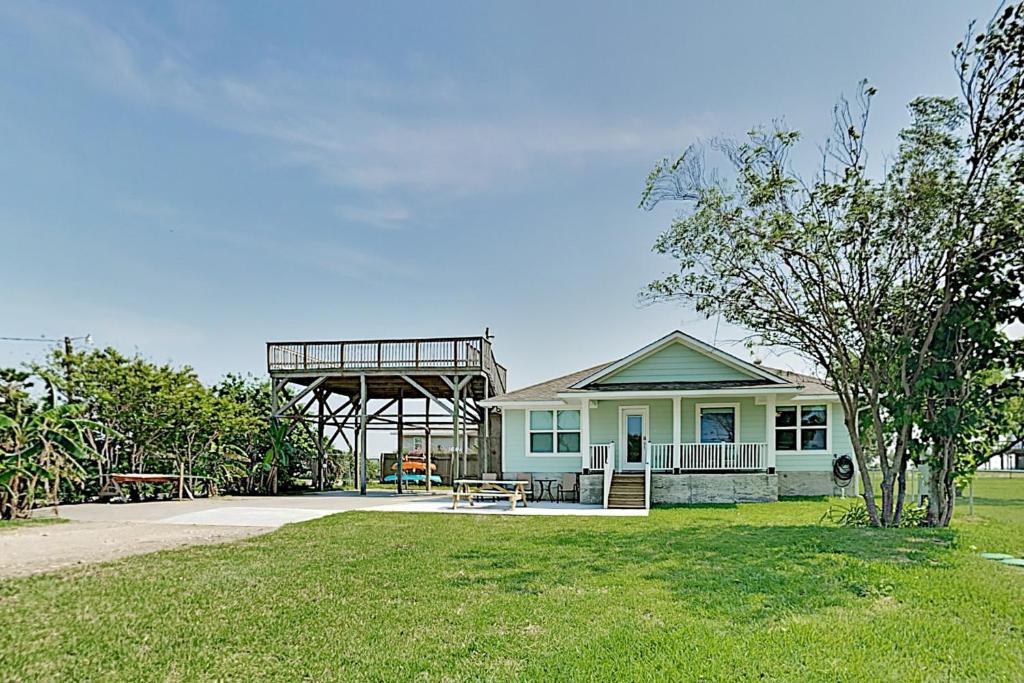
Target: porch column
677,431
585,433
769,431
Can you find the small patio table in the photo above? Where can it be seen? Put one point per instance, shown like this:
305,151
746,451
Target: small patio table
545,488
468,489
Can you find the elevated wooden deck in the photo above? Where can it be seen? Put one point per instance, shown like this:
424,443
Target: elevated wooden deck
385,361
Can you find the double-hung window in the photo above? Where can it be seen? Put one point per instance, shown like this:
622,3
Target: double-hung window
801,428
554,431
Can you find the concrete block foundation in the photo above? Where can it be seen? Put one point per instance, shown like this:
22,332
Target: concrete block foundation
809,484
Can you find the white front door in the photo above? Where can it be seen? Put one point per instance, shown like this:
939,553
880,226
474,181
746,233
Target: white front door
633,436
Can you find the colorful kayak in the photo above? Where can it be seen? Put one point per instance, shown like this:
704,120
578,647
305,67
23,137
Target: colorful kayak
413,479
414,466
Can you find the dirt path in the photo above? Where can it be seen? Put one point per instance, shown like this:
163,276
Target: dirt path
40,548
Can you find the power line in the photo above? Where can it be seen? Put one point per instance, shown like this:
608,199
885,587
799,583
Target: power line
47,340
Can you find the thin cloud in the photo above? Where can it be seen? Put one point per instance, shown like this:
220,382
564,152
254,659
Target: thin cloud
348,122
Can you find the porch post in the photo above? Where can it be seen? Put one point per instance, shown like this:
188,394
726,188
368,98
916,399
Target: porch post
585,434
769,431
677,432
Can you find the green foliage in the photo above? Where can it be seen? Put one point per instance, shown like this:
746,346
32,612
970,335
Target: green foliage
39,450
132,415
856,515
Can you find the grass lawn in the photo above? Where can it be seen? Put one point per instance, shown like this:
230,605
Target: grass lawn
718,593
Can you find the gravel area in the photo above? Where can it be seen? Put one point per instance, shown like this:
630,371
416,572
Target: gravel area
32,549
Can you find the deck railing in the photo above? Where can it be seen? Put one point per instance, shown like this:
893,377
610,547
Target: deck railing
438,353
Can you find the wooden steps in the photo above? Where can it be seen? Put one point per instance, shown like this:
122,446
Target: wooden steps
627,491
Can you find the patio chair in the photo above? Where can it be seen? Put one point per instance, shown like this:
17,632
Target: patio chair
527,477
569,488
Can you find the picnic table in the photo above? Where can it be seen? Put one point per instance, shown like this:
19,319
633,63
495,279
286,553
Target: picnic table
185,482
468,489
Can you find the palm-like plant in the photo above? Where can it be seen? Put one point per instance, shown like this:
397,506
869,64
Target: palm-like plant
40,449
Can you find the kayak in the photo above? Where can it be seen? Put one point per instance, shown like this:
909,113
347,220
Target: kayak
414,466
413,479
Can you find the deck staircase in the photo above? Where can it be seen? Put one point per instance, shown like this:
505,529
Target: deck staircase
627,491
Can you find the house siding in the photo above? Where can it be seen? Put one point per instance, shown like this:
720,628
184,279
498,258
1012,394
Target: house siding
515,458
676,363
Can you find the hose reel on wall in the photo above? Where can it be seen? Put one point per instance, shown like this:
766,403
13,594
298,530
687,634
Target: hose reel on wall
842,470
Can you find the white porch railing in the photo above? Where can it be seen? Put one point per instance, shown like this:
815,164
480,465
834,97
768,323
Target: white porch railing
659,456
609,471
723,456
647,485
598,455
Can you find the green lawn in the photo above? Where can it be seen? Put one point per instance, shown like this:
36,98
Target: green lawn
754,592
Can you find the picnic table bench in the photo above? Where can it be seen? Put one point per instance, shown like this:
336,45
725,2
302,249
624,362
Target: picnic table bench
468,489
186,482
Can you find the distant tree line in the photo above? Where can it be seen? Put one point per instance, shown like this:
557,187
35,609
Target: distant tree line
68,422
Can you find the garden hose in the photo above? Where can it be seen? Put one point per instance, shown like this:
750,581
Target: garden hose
842,470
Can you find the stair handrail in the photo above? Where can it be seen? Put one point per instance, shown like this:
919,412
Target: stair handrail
609,470
647,485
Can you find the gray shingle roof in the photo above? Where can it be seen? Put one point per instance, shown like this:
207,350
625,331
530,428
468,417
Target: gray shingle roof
549,390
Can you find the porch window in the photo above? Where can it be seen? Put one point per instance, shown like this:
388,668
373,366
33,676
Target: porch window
801,428
554,431
718,425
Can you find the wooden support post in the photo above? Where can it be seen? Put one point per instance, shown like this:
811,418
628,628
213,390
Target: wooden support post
400,474
321,455
362,435
426,446
456,410
483,439
355,448
465,437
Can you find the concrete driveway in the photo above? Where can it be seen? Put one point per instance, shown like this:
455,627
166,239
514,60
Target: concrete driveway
98,532
256,511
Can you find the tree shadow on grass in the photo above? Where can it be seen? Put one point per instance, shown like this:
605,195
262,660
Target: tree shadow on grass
745,573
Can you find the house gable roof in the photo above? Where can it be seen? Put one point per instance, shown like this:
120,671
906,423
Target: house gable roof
583,381
717,364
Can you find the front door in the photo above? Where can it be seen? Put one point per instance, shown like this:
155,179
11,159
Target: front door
633,438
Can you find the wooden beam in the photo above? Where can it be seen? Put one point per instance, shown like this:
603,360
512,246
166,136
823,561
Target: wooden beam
295,399
416,385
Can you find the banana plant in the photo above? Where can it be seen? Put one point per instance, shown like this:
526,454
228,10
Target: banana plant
40,450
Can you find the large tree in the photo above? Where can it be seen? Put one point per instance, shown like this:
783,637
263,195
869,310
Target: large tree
897,286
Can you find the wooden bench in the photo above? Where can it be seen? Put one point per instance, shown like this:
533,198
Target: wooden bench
186,482
469,489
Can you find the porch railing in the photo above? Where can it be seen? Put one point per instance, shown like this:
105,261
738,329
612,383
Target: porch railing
598,456
660,456
723,456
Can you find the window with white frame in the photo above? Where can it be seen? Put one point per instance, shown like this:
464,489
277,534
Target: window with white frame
554,431
801,428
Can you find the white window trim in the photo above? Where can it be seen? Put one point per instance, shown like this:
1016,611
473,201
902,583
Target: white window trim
554,433
696,417
799,408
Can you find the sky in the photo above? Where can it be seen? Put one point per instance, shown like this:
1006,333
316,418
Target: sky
190,180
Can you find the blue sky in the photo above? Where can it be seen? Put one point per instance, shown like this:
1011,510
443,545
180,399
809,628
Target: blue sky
192,179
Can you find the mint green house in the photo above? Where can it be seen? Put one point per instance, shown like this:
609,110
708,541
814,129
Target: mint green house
677,421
